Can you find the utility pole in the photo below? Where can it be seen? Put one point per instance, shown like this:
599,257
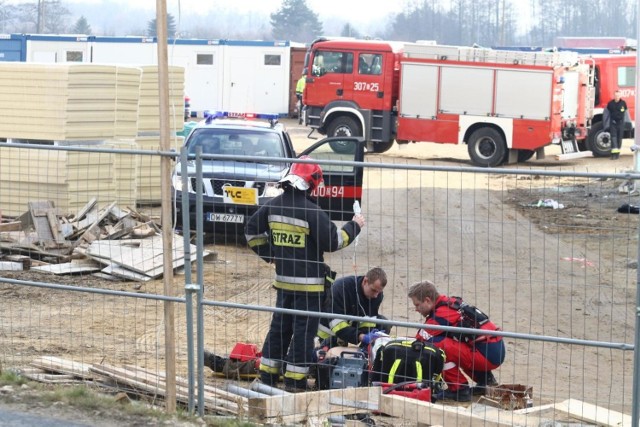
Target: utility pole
40,22
167,230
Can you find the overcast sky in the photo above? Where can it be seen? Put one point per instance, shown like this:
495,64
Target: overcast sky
355,11
121,17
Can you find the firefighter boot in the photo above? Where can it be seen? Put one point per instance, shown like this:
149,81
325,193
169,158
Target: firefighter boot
463,394
615,153
269,379
296,386
483,380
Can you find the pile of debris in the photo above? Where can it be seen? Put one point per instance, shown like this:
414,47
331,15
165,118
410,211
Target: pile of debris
369,405
110,242
255,403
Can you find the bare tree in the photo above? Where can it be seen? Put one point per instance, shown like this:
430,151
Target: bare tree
55,18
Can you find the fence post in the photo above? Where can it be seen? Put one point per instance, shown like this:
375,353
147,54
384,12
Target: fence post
189,287
200,279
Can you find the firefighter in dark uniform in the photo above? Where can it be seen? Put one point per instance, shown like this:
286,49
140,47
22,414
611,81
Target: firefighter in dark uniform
617,110
353,296
292,232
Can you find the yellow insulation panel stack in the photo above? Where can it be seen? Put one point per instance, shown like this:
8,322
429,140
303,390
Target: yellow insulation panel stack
148,177
68,179
68,101
149,112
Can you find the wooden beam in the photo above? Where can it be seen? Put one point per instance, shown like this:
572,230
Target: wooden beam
23,259
295,407
570,156
591,413
442,414
11,266
11,226
84,210
56,364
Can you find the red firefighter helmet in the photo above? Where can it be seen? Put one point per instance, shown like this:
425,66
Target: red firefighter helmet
304,176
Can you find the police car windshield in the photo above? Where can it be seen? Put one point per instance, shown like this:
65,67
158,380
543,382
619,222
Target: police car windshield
237,142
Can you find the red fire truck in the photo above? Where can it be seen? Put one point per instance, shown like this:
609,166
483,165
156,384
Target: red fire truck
611,72
505,105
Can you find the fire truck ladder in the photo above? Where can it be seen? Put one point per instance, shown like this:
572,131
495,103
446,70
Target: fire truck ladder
479,54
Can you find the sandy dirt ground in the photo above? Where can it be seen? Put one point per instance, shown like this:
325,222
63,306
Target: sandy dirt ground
565,273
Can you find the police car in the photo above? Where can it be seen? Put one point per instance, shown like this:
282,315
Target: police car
243,158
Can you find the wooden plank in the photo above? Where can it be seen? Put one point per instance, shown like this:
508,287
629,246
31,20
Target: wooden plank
535,409
105,276
40,221
302,405
85,209
146,259
118,213
51,378
93,230
577,155
155,385
26,220
439,414
11,226
11,266
87,266
23,259
54,224
88,220
358,404
592,413
56,364
123,273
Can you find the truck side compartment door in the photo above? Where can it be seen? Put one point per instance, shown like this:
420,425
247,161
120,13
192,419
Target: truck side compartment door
342,183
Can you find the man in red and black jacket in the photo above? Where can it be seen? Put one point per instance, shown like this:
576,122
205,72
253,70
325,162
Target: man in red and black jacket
476,355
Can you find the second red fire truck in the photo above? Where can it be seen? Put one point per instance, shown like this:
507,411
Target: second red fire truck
611,72
505,106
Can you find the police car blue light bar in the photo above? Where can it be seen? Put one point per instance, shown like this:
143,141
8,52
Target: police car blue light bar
209,116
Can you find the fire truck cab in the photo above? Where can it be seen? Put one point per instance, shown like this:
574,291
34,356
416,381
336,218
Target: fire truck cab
611,72
352,89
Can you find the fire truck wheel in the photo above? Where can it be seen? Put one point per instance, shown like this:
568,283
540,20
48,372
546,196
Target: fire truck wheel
343,126
487,147
524,155
599,141
382,147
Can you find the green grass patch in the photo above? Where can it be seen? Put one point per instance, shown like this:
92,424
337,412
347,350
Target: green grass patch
11,378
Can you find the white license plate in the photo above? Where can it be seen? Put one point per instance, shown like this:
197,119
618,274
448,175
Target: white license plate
219,217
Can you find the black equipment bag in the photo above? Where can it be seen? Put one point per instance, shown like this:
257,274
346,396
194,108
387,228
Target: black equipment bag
407,360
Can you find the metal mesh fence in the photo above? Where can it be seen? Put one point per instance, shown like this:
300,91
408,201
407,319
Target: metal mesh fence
551,256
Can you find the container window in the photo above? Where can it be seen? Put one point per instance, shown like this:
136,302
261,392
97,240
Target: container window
272,60
74,56
204,59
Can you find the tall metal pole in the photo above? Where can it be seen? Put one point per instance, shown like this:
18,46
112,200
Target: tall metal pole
635,405
167,219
